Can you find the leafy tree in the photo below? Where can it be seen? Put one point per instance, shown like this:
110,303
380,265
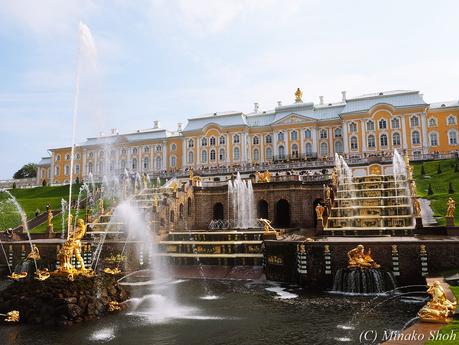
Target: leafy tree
27,171
14,185
429,190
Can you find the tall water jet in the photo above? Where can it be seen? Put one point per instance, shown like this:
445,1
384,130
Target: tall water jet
242,199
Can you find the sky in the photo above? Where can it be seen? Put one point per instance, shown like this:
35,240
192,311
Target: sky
168,60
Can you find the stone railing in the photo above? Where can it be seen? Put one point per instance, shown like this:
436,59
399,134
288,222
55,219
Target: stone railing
19,183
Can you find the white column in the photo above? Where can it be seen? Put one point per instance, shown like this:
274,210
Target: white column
404,138
364,138
345,137
425,148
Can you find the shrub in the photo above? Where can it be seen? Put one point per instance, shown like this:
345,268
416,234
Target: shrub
456,168
429,190
14,185
450,188
43,183
423,170
439,169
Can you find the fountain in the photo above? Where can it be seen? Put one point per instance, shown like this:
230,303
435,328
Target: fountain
240,193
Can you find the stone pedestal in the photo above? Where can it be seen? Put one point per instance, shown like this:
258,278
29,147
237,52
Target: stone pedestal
319,227
418,223
449,221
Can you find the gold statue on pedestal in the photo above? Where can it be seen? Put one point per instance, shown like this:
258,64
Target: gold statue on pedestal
263,177
11,316
417,208
34,254
145,181
17,276
298,96
439,308
358,258
101,206
267,227
320,212
451,208
334,177
413,188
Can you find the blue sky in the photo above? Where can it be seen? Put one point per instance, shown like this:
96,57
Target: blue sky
171,59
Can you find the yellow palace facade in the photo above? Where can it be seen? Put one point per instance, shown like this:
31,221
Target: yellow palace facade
357,127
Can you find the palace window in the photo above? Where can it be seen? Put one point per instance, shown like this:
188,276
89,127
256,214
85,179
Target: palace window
268,139
415,138
77,156
134,165
173,161
57,171
204,142
395,123
91,155
134,151
236,154
173,147
123,164
280,136
66,170
307,134
123,151
190,157
432,122
308,148
383,140
452,137
370,125
339,146
396,140
294,135
146,149
433,139
323,149
89,167
414,121
191,143
323,134
281,152
146,163
212,155
256,140
451,120
58,157
159,148
158,163
371,141
221,155
354,144
269,154
112,165
67,157
338,133
256,155
222,140
353,127
382,124
295,151
236,139
204,156
212,141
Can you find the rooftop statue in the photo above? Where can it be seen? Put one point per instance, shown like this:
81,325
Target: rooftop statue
358,258
298,96
451,208
439,308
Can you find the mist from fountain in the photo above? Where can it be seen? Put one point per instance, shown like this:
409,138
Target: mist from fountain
242,199
63,211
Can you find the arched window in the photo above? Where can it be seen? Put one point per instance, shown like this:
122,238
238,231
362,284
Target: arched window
173,147
383,140
269,154
134,164
58,157
57,171
77,156
221,155
371,141
280,136
324,149
395,123
204,142
256,140
181,211
123,151
222,140
172,216
433,139
236,153
67,157
159,163
204,156
338,133
77,169
134,151
382,124
212,141
112,165
396,140
191,143
307,134
189,207
432,122
323,134
173,161
123,164
415,138
414,121
268,139
158,148
281,152
353,127
308,148
452,137
146,149
370,125
295,151
190,157
354,144
451,120
236,139
339,146
212,155
256,155
294,135
90,167
146,163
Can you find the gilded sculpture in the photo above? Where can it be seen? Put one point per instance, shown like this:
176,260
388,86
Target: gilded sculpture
34,253
298,96
267,227
101,206
334,177
413,188
439,308
451,208
359,259
319,211
50,218
11,316
417,207
263,177
328,191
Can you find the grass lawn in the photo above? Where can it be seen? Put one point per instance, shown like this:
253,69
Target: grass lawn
453,326
31,199
439,183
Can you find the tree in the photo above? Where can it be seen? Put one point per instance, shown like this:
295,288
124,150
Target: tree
423,170
27,171
77,180
439,169
450,188
429,190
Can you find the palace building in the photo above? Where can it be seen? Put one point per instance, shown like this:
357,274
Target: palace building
358,127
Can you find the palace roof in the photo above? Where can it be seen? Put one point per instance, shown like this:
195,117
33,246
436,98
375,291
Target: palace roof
45,161
149,134
447,104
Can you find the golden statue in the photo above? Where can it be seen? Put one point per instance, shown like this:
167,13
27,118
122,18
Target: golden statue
34,254
17,276
328,193
42,274
101,206
263,177
358,258
267,227
111,271
11,316
320,211
413,188
439,308
191,174
113,306
50,218
417,207
298,96
334,177
145,181
451,208
409,170
155,201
